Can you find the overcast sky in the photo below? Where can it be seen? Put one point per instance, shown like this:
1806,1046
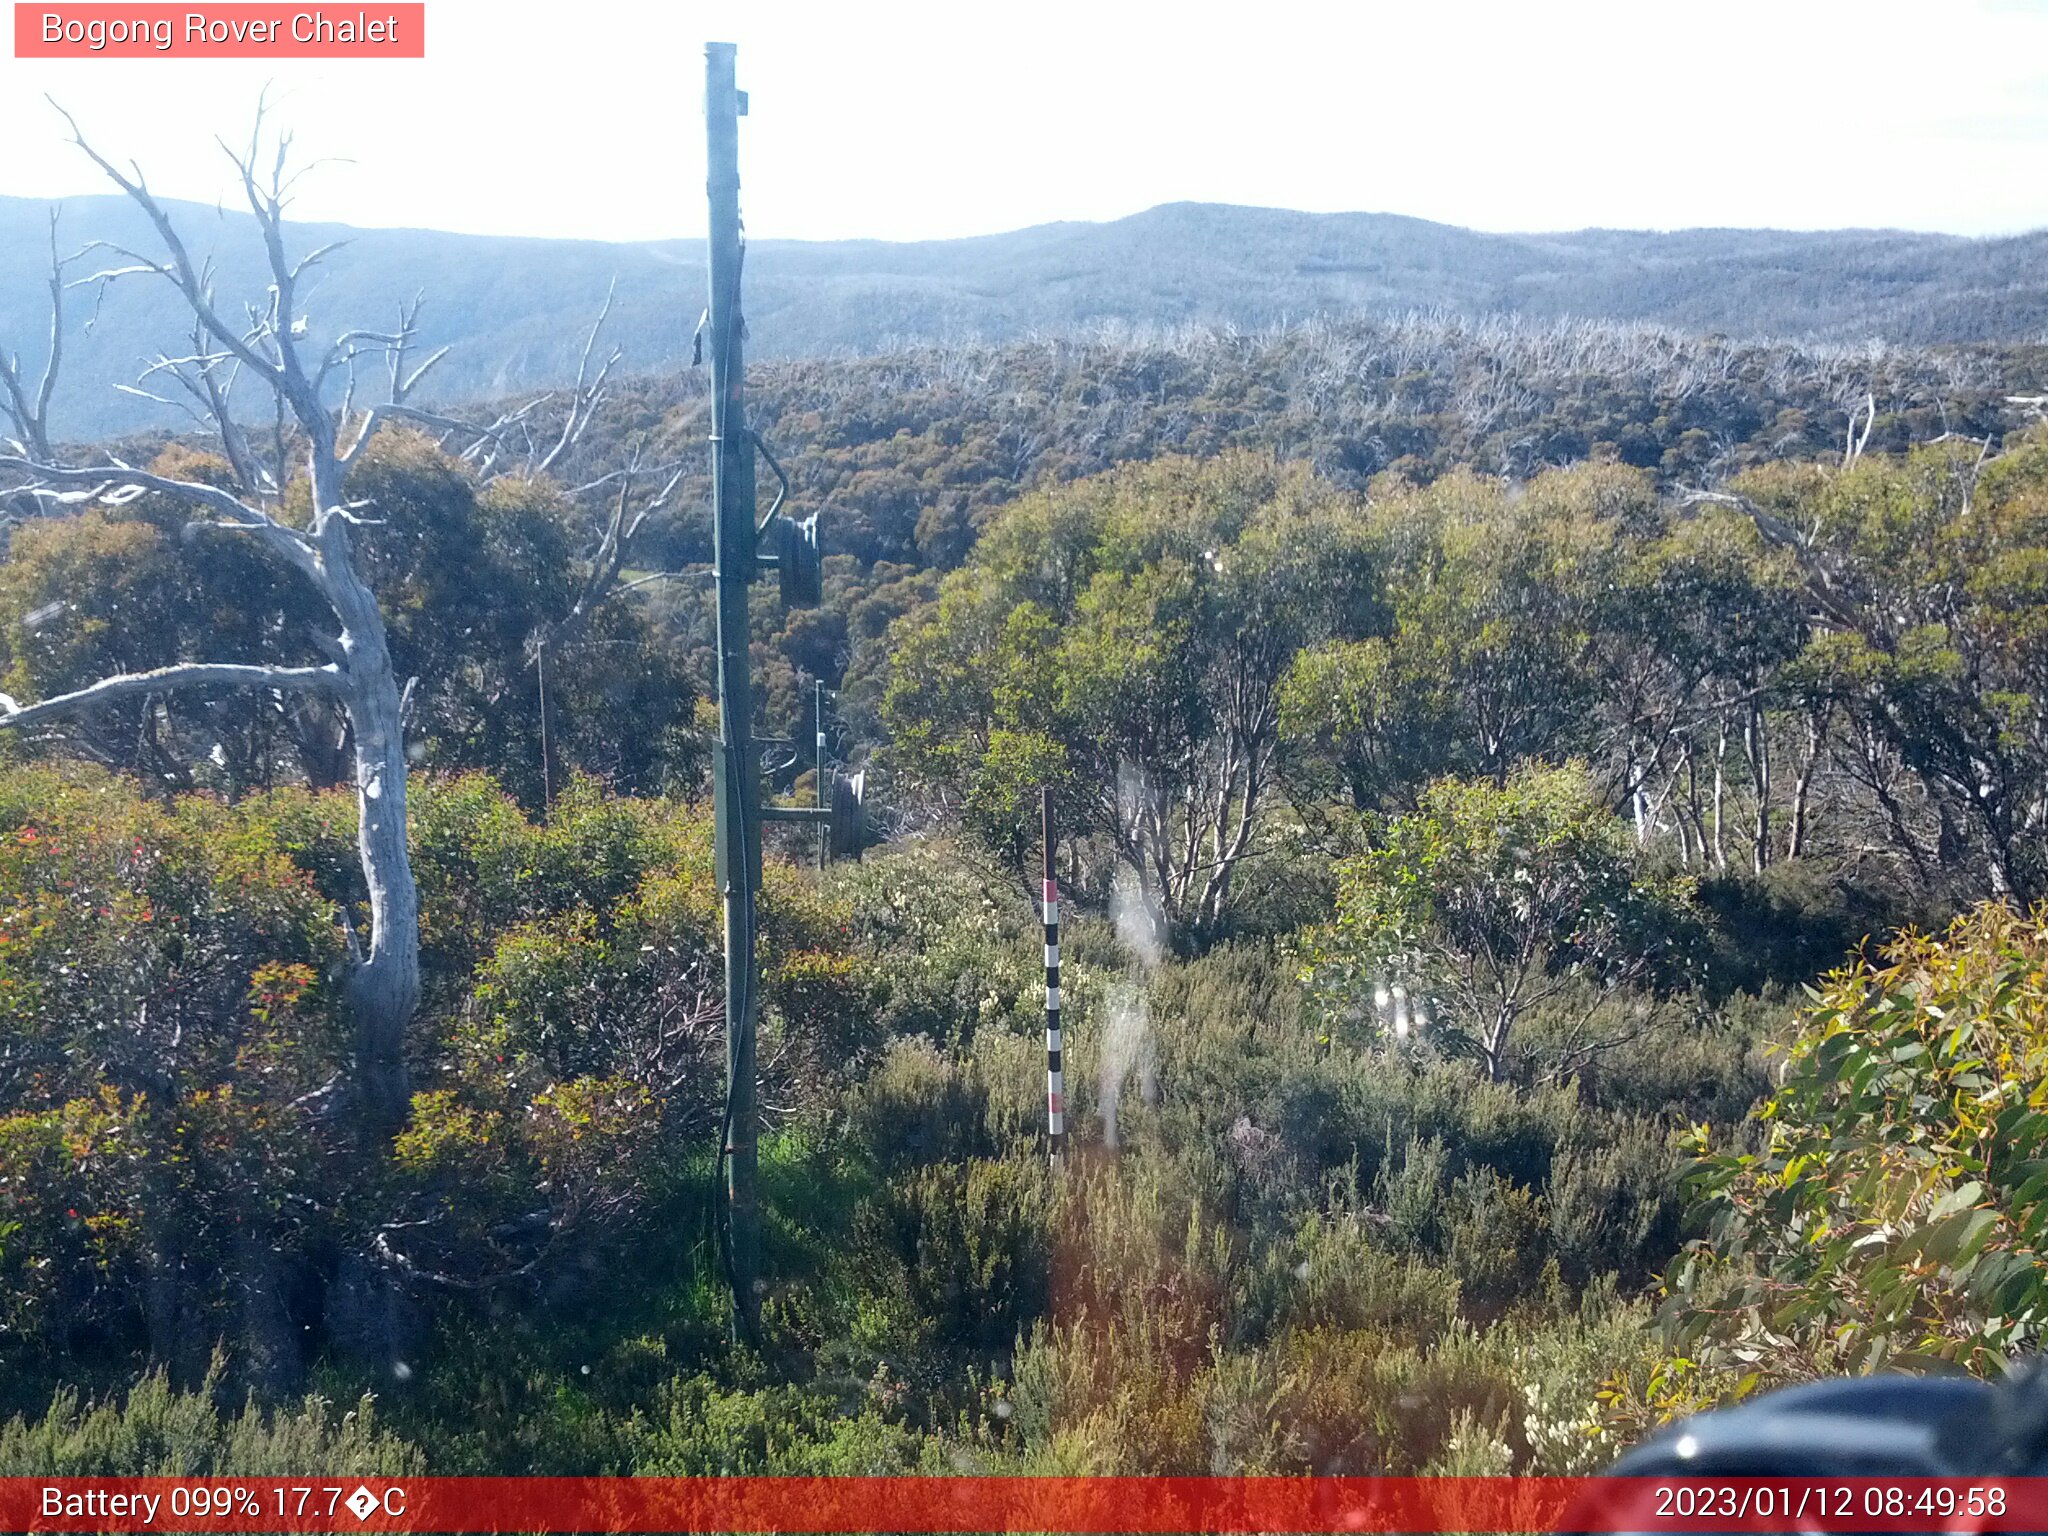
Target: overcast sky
913,120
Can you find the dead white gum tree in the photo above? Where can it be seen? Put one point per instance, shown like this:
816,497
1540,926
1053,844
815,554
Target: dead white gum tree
304,441
264,345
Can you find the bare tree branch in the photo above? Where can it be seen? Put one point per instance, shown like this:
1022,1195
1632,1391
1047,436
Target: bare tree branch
602,581
391,410
193,674
29,410
180,270
1821,583
588,393
1853,448
314,257
230,511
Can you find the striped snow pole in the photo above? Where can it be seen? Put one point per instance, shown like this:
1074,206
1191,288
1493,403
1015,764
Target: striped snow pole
1055,1077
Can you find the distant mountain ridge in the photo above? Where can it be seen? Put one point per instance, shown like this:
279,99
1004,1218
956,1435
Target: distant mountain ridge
514,309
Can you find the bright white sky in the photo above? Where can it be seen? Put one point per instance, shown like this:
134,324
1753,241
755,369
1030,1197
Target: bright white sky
901,119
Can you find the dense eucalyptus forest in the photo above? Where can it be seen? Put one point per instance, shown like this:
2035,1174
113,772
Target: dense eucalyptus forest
1558,818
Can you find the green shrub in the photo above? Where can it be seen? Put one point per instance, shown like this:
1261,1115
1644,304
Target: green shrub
484,867
699,1429
1009,1074
1095,1401
1715,1068
1492,905
969,1247
1613,1204
1494,1238
953,948
919,1106
159,1432
1341,1273
1789,924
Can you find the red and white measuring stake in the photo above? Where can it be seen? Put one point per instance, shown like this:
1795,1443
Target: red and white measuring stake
1055,1077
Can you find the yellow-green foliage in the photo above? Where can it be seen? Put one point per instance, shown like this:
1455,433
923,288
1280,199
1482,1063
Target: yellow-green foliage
582,1058
167,1004
172,1050
1488,905
1894,1215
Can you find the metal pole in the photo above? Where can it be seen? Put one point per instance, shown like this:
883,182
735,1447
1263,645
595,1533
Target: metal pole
1055,1076
738,825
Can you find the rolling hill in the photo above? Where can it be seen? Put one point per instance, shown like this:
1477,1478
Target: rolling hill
514,310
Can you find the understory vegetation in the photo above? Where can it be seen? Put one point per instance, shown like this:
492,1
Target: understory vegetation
1554,934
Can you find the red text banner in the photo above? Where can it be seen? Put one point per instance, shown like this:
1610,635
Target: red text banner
1052,1504
226,31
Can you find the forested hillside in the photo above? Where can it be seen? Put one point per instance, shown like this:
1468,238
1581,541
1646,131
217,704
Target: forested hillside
908,457
509,307
1472,738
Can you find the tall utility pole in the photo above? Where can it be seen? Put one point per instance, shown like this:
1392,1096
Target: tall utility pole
737,559
736,777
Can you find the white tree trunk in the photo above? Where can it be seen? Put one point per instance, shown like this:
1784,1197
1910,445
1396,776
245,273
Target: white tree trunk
385,988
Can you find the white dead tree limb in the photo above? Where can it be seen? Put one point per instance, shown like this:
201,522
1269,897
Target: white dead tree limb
511,436
1824,585
196,674
508,446
589,392
26,406
628,515
1853,448
265,346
